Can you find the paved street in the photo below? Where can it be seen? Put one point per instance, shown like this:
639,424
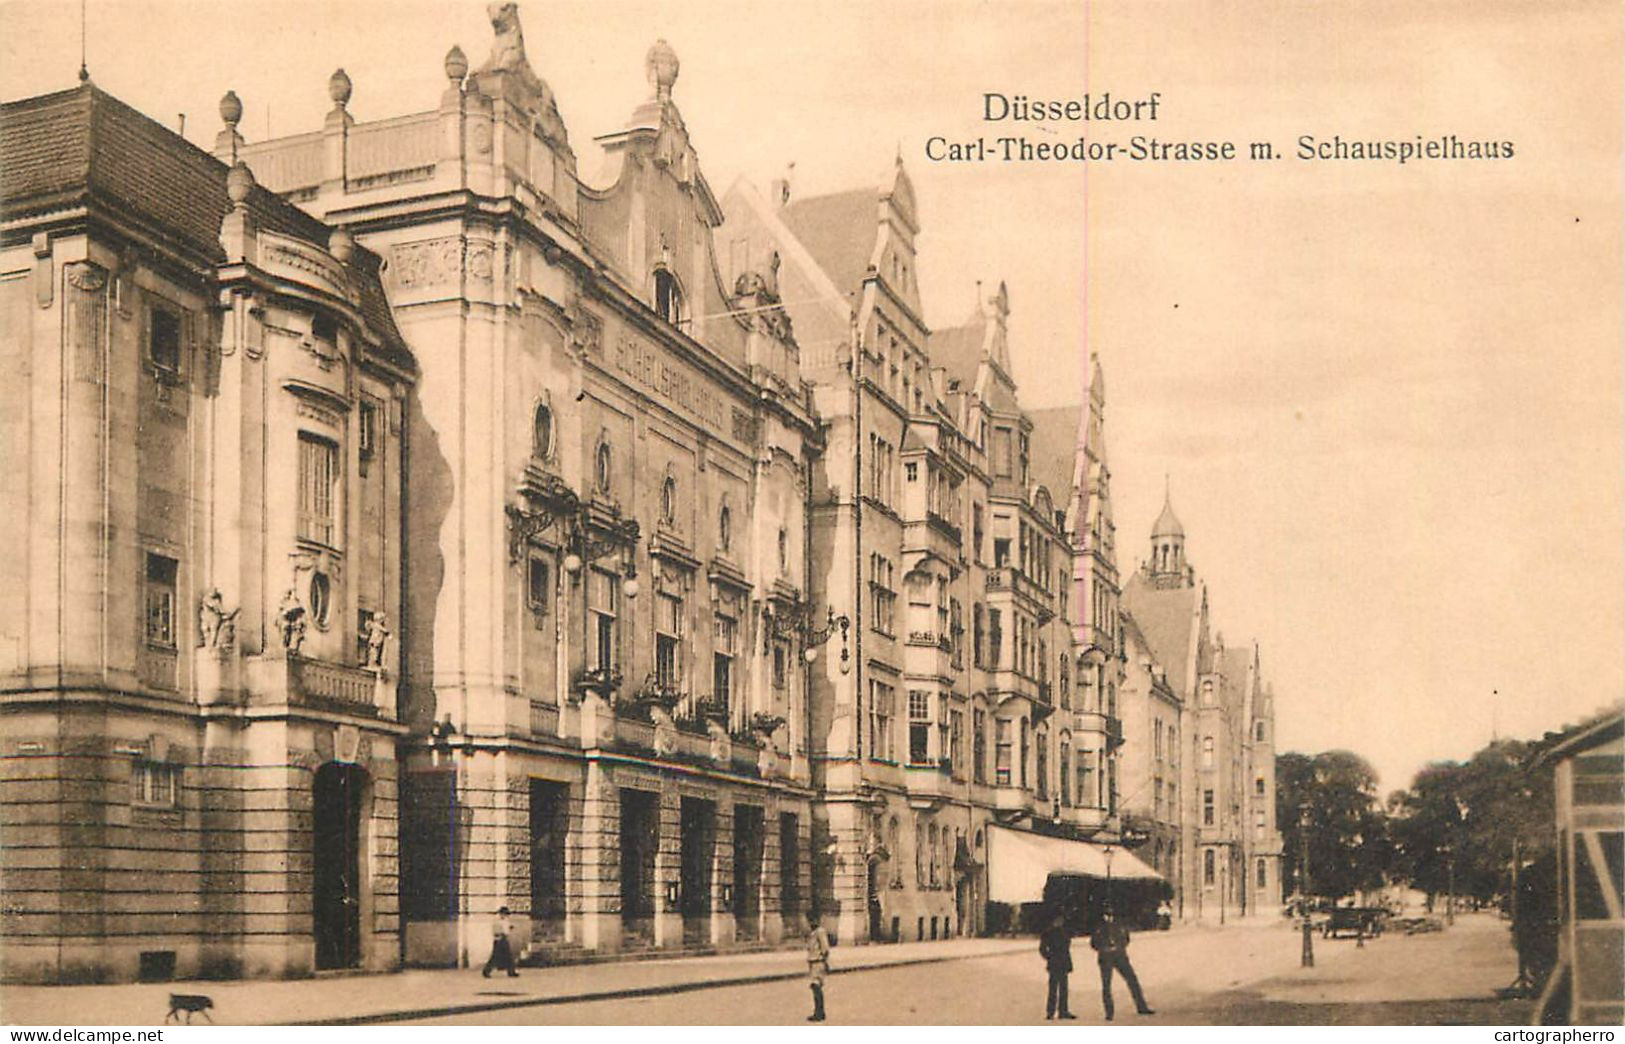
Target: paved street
1241,973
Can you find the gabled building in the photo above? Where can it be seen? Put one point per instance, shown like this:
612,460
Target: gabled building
608,570
205,421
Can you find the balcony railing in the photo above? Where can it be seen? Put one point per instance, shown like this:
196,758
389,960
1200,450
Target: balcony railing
321,682
943,526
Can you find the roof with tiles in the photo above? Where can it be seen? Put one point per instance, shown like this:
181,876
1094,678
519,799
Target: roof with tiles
85,147
839,231
1167,619
1055,449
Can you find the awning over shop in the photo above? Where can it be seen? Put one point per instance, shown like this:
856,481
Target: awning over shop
1020,862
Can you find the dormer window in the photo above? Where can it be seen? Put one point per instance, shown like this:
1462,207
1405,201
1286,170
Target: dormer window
668,297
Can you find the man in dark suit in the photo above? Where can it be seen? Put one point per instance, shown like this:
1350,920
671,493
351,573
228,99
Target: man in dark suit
1055,946
1110,943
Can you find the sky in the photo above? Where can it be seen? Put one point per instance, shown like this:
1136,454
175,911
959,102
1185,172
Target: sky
1387,399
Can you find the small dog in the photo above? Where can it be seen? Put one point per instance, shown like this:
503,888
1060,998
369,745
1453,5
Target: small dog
191,1003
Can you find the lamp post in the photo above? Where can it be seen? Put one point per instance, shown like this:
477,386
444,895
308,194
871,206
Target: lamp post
1108,852
1308,958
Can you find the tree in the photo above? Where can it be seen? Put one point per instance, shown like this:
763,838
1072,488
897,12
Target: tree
1472,814
1347,830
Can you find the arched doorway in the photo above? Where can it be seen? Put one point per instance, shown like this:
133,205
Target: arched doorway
336,870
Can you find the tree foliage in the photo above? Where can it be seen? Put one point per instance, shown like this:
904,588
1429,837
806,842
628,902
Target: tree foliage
1330,800
1468,816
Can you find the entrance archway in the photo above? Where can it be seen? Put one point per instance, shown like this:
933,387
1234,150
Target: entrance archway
336,870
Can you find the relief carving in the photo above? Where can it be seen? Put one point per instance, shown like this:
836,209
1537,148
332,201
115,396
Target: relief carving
426,263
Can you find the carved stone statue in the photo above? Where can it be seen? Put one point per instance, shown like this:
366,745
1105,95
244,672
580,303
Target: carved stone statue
377,637
216,628
291,622
508,49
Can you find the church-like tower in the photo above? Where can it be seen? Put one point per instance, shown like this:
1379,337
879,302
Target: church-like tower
1167,568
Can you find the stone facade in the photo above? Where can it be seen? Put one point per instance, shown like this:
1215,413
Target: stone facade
677,583
607,552
203,424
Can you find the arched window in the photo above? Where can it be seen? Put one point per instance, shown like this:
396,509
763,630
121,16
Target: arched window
601,468
668,298
725,529
668,500
541,429
921,850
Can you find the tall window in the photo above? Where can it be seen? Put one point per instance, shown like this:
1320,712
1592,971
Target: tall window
976,636
537,583
164,340
1208,867
781,663
976,527
1041,765
956,742
1258,731
880,469
367,429
882,596
725,645
725,529
882,707
1003,751
1258,786
979,747
603,596
160,601
1263,877
1207,808
1207,752
1026,750
668,500
1003,462
995,640
668,641
1086,778
318,479
668,298
1066,774
919,726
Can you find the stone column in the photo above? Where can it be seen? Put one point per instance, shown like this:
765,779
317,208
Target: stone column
597,865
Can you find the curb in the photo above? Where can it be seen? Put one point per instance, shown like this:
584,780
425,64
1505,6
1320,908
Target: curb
630,992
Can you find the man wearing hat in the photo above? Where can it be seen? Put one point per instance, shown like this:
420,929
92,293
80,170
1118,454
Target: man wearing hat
1110,943
502,930
1055,946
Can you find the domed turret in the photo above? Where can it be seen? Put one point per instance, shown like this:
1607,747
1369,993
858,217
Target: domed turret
1166,566
1167,522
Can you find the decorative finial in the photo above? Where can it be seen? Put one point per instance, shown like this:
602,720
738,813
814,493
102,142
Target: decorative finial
456,65
662,66
231,109
339,88
239,183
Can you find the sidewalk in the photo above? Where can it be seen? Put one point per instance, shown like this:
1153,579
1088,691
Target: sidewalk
418,994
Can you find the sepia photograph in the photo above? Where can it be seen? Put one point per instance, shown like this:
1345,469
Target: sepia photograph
914,513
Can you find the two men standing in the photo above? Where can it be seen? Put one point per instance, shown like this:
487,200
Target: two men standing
1110,943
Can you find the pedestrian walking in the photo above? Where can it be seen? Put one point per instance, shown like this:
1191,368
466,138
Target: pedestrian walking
1110,943
502,929
1055,946
817,964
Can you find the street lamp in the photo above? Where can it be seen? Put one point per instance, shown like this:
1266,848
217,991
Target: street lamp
1308,958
